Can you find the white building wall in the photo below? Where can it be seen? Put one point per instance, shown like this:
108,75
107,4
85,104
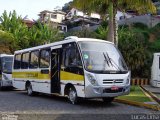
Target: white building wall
75,12
95,15
59,18
120,15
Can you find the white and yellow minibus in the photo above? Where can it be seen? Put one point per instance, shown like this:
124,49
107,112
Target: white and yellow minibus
5,70
75,67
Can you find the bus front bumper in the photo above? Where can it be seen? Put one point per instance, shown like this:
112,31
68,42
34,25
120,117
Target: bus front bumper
105,91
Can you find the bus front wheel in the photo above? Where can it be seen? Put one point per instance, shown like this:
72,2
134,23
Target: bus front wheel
29,90
108,100
72,95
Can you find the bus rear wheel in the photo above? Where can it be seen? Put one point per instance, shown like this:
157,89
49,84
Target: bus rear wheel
29,90
72,96
108,100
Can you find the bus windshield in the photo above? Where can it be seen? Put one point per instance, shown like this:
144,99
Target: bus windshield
102,57
7,65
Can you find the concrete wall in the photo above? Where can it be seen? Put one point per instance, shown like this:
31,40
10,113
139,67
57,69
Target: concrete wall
145,19
59,18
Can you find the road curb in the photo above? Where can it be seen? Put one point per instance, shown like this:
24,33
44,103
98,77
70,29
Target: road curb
139,104
152,95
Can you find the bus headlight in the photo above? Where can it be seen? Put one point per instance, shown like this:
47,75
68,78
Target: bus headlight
128,80
92,79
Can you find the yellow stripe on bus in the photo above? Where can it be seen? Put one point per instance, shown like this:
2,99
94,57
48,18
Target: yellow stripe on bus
71,76
37,75
31,75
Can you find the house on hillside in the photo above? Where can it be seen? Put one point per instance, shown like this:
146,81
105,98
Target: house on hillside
75,12
28,22
54,18
75,19
121,15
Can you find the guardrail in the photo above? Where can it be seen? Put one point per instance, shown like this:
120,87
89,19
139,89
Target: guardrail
140,81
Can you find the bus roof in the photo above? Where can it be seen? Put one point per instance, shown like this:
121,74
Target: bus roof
5,55
157,53
66,40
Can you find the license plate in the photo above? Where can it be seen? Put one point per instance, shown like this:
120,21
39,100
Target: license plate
114,88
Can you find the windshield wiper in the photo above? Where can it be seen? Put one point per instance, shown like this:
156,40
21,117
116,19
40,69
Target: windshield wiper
113,64
106,59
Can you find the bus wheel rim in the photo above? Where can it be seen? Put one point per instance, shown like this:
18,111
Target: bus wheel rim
29,90
72,96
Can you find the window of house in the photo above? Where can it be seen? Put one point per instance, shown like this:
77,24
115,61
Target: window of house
65,29
53,16
34,59
17,61
25,61
44,58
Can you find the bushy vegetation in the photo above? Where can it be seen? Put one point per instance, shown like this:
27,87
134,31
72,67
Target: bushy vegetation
155,38
133,44
7,43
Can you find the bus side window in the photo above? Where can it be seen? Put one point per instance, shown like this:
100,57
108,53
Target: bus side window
71,56
17,61
44,58
33,63
25,61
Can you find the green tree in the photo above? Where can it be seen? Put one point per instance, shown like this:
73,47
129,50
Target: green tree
43,33
100,6
25,37
14,25
67,7
7,43
102,31
134,47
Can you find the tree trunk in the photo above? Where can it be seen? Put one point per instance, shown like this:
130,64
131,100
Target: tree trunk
113,27
110,36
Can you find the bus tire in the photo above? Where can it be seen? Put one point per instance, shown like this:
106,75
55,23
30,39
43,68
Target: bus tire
29,89
72,96
108,100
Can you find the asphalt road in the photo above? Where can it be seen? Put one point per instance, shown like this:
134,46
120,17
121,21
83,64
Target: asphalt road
17,102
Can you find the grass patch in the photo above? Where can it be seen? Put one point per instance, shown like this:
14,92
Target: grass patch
136,94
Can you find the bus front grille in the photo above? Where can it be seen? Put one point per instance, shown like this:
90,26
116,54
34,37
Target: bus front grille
112,81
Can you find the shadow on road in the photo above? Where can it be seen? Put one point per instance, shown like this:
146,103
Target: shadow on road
88,103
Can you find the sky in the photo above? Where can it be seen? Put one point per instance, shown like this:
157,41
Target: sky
30,7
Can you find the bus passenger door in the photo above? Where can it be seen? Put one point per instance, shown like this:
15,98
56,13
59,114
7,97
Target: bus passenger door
55,69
